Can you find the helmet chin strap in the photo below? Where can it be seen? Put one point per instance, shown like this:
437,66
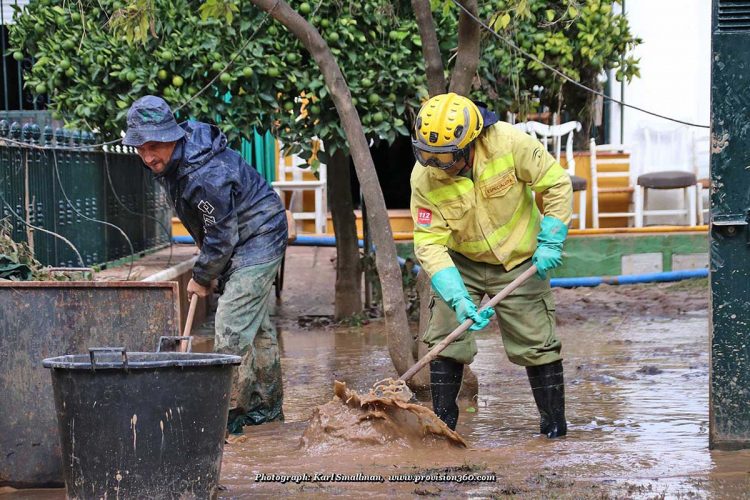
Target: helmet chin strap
468,161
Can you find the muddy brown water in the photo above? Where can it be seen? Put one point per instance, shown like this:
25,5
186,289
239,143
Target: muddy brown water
636,363
636,367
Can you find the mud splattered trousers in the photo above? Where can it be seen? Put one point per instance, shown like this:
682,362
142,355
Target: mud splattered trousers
244,328
526,316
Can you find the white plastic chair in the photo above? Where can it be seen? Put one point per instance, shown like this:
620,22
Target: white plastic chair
614,167
701,167
552,137
666,165
291,177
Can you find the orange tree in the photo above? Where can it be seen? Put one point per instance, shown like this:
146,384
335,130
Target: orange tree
92,62
93,58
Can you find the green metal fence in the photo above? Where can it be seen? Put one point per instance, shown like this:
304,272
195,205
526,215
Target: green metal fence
55,180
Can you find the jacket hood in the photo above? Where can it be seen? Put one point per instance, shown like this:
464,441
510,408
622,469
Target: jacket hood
489,117
202,143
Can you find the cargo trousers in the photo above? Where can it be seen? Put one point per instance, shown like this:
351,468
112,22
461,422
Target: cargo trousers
244,328
526,316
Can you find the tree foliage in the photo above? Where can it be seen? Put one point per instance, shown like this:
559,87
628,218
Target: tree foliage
582,40
94,57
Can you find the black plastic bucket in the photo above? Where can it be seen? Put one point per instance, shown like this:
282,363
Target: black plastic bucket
142,424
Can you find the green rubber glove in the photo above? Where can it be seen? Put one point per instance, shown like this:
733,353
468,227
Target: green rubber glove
449,285
548,254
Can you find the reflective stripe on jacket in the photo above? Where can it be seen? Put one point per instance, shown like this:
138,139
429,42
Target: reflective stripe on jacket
492,217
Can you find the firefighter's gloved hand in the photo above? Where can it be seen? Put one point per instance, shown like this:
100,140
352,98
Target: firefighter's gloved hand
480,318
548,254
449,285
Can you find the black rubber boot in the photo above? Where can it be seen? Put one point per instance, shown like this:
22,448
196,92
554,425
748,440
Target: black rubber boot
548,387
445,382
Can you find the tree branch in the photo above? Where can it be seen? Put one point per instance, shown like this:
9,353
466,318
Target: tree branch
467,58
430,47
394,308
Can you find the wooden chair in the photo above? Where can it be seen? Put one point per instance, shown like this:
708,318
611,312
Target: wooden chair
291,177
552,137
610,162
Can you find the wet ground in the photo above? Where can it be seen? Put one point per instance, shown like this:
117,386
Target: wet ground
636,366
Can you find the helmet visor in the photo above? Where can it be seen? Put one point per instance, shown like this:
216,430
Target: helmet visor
441,160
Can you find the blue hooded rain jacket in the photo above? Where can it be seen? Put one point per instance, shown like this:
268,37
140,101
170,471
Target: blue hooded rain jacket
231,212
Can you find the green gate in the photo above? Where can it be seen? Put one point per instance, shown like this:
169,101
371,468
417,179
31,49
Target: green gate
730,235
56,181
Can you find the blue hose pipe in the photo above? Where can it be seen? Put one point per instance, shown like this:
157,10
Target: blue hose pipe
185,240
305,241
630,279
574,282
587,281
319,241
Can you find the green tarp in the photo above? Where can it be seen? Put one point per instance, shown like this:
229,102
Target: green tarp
11,270
260,152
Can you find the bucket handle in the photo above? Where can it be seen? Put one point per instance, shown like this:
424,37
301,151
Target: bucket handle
121,350
177,339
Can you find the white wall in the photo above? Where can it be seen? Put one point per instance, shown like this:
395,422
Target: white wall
675,65
7,16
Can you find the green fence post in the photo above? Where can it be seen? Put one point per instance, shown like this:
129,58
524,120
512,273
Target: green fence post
729,406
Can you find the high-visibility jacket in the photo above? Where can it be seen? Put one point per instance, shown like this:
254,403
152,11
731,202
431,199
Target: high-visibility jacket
491,217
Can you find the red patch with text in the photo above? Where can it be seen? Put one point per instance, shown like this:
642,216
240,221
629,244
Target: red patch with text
424,217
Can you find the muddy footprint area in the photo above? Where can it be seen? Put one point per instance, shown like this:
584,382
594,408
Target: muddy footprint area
636,368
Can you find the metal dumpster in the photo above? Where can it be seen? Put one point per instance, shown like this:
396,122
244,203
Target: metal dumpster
44,319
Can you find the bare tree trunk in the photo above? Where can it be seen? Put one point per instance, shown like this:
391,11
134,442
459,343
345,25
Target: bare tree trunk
467,57
348,265
394,308
433,61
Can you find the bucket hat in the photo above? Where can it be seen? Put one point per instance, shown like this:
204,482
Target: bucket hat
151,120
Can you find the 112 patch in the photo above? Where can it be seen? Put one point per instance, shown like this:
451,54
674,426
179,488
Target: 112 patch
424,217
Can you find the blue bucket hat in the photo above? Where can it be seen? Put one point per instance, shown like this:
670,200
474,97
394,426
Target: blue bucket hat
151,119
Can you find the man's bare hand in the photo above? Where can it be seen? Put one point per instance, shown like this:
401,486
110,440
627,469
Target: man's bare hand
194,288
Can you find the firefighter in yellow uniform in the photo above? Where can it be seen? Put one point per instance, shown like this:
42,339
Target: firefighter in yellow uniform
477,227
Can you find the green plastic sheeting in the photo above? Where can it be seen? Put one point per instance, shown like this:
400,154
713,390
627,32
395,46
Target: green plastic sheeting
12,270
260,152
270,150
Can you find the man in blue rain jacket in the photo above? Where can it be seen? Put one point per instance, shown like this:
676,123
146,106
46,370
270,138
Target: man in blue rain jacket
239,224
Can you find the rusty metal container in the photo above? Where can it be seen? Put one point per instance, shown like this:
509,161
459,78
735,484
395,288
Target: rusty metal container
43,319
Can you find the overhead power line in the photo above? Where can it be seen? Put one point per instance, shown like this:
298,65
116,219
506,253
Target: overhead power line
510,43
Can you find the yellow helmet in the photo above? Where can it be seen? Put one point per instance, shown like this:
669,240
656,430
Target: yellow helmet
446,125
